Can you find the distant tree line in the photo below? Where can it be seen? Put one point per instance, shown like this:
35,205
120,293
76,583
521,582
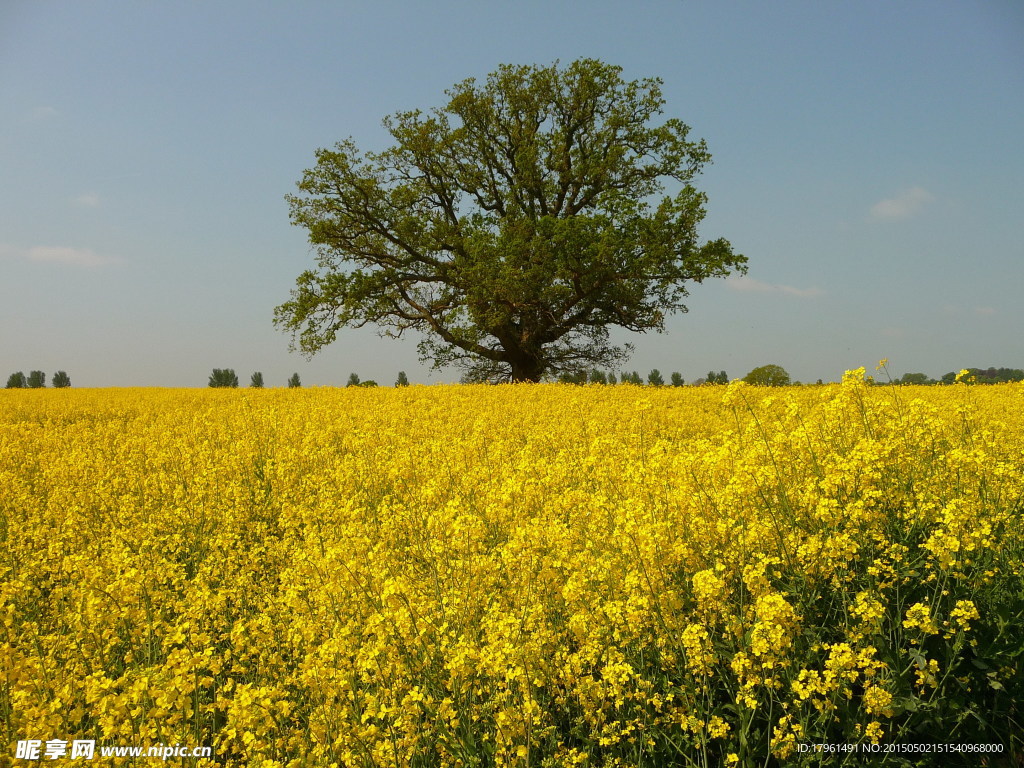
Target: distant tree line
988,375
597,376
653,379
656,379
226,377
765,375
776,376
973,376
37,380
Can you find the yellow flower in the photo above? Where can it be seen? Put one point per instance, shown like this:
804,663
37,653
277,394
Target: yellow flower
874,731
928,675
964,612
877,701
919,616
718,728
697,642
784,737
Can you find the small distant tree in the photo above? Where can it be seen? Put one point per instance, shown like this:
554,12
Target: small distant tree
368,383
915,378
632,378
655,379
294,381
61,380
36,380
598,377
768,376
223,378
403,380
611,378
256,380
572,377
353,380
677,379
17,381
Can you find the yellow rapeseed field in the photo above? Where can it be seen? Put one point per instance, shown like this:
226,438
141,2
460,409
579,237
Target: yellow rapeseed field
516,575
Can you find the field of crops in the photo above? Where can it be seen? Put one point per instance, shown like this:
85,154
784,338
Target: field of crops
518,575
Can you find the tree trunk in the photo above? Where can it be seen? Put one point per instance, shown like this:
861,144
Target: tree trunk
525,368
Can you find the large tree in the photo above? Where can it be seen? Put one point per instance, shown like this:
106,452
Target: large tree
513,226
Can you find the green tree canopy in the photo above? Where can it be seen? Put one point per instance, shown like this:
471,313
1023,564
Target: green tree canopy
294,381
512,226
225,377
36,380
61,380
768,376
915,378
403,380
17,380
256,380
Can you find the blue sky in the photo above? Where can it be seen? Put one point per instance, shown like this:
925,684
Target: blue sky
867,161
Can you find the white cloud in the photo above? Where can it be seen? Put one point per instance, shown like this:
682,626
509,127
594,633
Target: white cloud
79,257
88,200
903,206
750,285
